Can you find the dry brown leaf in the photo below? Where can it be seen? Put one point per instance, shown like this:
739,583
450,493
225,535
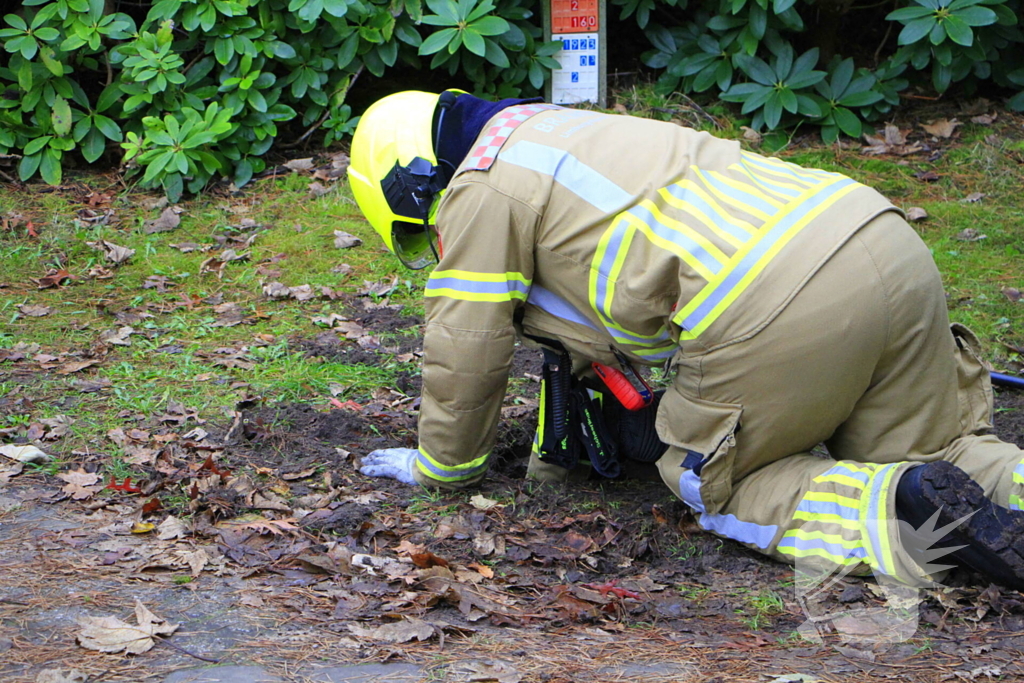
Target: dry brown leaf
196,560
397,632
34,310
916,213
168,220
9,469
317,189
343,240
53,278
969,235
110,634
171,528
751,135
985,119
482,569
481,502
943,128
493,670
300,164
973,198
251,600
118,337
112,252
25,454
80,484
76,366
59,426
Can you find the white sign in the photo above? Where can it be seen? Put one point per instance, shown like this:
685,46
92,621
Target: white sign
578,79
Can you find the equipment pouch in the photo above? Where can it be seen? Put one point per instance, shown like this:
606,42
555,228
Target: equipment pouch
556,442
589,422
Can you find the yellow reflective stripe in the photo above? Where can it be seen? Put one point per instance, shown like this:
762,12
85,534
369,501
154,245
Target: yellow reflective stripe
839,479
712,224
827,518
613,274
771,185
435,470
785,168
710,303
1015,502
468,285
729,200
599,257
748,188
683,229
876,524
805,535
830,497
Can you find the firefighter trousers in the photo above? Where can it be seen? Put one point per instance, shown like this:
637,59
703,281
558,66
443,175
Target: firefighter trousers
862,361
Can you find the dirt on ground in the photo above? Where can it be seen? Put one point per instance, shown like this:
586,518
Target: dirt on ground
261,540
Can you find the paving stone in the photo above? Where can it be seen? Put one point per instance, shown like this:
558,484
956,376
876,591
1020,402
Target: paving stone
369,673
224,674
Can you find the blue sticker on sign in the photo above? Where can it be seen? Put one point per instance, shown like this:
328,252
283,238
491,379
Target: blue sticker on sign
575,76
565,44
583,60
575,44
592,60
593,44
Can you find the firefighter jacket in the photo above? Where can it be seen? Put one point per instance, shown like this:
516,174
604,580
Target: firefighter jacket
608,232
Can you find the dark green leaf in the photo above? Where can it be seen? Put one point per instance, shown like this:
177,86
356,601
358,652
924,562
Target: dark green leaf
60,117
848,122
495,55
780,6
773,111
788,100
437,41
841,77
976,16
757,69
49,168
661,38
474,42
916,30
93,145
958,31
860,99
906,14
489,26
28,165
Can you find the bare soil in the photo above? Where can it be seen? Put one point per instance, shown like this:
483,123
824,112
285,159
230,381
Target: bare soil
288,555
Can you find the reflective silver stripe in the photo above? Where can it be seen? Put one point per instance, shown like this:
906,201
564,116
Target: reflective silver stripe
557,306
745,532
570,173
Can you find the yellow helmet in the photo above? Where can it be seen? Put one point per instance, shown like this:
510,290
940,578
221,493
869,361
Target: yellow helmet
394,175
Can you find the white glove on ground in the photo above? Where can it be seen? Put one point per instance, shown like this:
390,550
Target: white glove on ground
393,463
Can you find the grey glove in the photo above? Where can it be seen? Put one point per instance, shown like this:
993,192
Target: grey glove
393,463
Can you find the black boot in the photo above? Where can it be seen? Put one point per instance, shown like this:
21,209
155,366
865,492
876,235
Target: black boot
989,539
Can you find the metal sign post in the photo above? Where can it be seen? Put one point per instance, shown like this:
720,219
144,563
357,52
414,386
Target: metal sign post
580,26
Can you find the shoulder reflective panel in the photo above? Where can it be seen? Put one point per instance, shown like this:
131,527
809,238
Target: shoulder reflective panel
484,287
755,254
484,154
569,172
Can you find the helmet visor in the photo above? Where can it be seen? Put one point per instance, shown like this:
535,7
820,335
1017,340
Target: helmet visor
415,244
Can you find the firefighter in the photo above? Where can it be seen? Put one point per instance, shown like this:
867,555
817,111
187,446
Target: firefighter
793,307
